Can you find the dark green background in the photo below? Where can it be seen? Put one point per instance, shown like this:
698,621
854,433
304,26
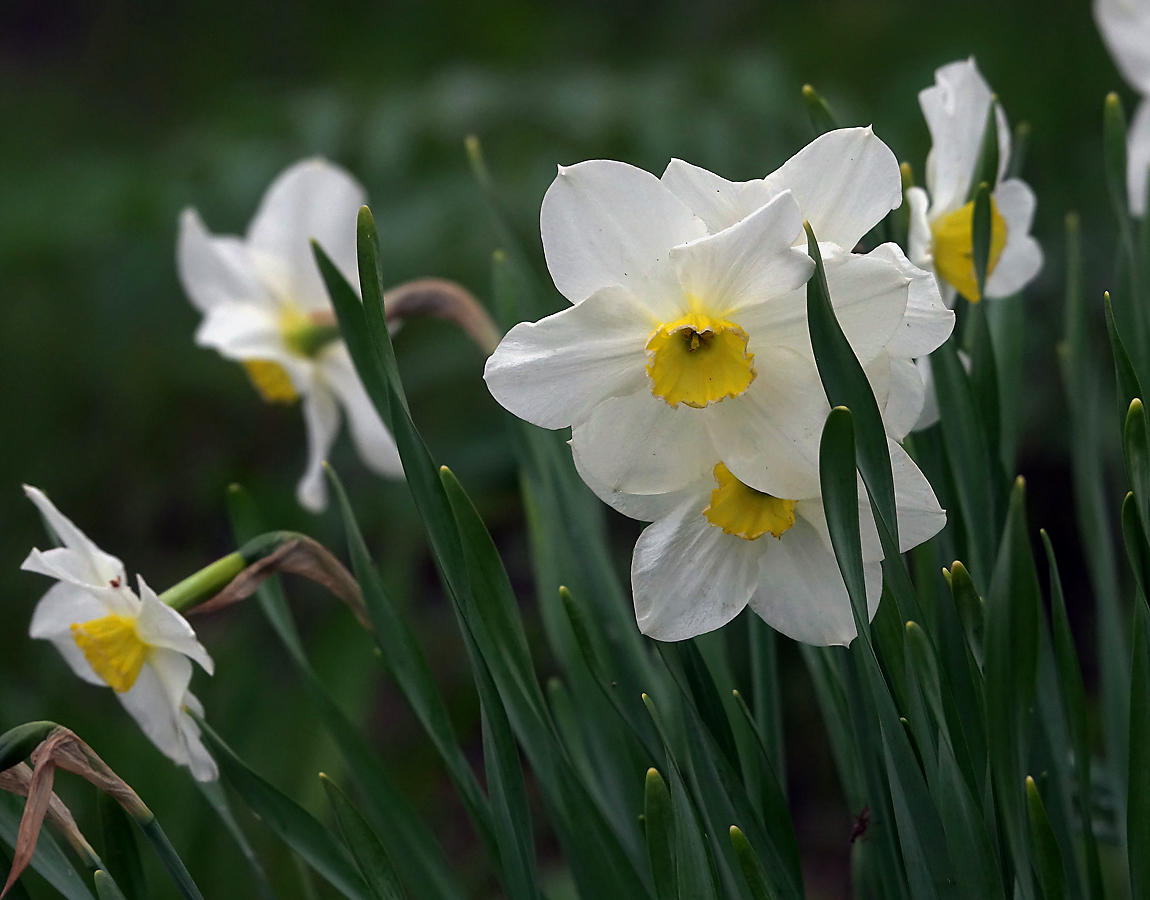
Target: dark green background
114,116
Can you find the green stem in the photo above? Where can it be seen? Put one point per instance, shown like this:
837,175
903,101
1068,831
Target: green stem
210,580
169,857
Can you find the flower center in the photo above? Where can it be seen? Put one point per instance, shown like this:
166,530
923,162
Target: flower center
305,336
698,360
271,380
744,512
954,247
113,649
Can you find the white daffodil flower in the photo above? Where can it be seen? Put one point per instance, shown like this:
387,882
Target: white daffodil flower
718,545
956,109
265,305
135,645
1125,26
688,327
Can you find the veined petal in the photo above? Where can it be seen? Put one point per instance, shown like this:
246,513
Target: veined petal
161,626
1021,258
748,263
955,109
639,444
930,412
845,182
554,372
644,507
215,270
690,577
79,560
374,442
718,202
58,609
1138,158
801,592
311,200
154,701
927,322
905,398
1125,26
919,515
919,239
321,416
608,223
769,437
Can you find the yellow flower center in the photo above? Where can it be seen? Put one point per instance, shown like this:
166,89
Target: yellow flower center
698,360
271,380
113,649
744,512
954,247
305,336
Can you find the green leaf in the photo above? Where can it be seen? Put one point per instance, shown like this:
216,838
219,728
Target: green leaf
822,118
659,827
49,860
106,888
1136,445
368,851
121,851
17,744
290,822
17,891
984,381
1114,147
1012,610
767,693
1137,546
986,166
1073,696
1020,147
1047,855
217,799
1129,387
752,868
1138,799
981,225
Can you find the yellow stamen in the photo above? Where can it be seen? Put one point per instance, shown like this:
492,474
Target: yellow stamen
954,247
744,512
113,649
698,360
271,380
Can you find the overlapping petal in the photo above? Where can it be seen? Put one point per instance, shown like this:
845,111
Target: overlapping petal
1138,158
1125,26
79,560
1021,258
927,322
321,417
215,269
718,202
162,627
373,441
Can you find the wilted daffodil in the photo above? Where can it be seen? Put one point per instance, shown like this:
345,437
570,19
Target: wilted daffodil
957,111
1125,26
719,545
111,636
688,327
265,305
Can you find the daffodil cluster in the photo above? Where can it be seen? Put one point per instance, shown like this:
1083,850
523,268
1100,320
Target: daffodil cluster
685,370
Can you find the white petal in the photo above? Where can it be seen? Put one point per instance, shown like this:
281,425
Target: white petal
690,577
748,263
905,398
869,295
1125,26
243,331
553,372
956,110
374,442
1021,258
1138,158
63,605
644,507
199,760
80,560
919,515
154,701
214,270
769,436
930,412
801,592
605,222
161,626
718,202
920,241
927,322
640,445
311,200
321,415
845,182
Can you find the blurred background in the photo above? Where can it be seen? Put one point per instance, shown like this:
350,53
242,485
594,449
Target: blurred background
117,115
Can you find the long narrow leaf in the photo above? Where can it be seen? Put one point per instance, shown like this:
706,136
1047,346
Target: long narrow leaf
366,848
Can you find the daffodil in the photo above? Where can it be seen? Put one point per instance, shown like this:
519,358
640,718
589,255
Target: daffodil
264,305
719,545
110,635
957,111
687,335
1125,26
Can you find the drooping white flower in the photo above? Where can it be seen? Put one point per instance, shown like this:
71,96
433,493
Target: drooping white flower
956,109
1125,26
688,327
718,545
111,636
265,305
